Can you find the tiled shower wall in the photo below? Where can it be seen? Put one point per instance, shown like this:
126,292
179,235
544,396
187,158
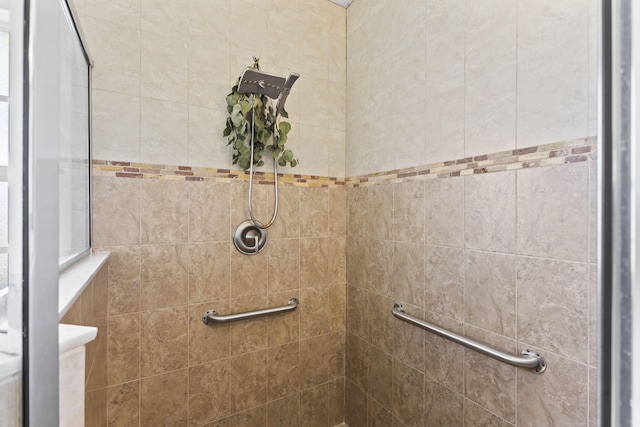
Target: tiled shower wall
507,258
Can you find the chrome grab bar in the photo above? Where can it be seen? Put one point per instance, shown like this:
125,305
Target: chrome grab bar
528,358
212,316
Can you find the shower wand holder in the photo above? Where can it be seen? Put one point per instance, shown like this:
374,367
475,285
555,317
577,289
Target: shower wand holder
249,238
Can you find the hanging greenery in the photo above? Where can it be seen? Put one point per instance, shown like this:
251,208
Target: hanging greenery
269,131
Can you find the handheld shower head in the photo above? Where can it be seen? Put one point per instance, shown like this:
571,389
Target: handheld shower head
285,92
255,81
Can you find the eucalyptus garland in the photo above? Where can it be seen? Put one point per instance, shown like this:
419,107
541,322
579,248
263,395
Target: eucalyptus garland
269,131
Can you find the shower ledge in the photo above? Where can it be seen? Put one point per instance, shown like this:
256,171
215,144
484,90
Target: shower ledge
76,278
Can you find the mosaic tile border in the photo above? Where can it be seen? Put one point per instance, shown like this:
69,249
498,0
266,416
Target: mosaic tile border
558,153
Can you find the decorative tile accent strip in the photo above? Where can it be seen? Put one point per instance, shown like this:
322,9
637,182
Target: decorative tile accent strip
557,153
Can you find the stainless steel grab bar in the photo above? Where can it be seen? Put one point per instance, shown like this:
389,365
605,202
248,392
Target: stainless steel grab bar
528,358
213,316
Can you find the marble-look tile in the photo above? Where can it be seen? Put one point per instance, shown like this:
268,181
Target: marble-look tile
249,385
115,46
357,211
95,407
313,155
124,280
445,126
283,265
209,214
444,281
123,404
488,382
314,262
337,260
593,397
358,361
408,211
553,212
286,328
380,376
442,407
356,404
210,21
287,224
594,48
209,272
208,392
162,18
594,315
408,394
379,267
593,211
476,415
558,397
357,263
164,67
377,415
444,359
553,71
251,334
337,402
208,74
115,126
409,341
248,276
313,362
490,76
123,346
314,212
408,272
254,417
163,341
444,213
284,412
337,211
380,218
490,292
409,148
164,274
207,342
207,146
336,354
552,293
314,319
314,408
445,46
490,212
283,371
164,132
337,309
164,399
164,211
122,12
116,211
357,312
381,324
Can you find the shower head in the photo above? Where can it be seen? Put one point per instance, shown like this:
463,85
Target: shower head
259,82
285,92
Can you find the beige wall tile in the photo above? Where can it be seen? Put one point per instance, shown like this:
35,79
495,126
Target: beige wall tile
314,262
314,212
337,402
209,213
477,415
490,212
286,328
381,376
357,262
444,281
283,371
313,406
553,71
408,394
358,361
337,300
207,146
490,292
445,131
593,212
336,353
409,341
164,399
593,397
164,67
557,399
444,360
356,404
381,324
357,312
408,272
249,387
552,293
284,265
594,314
164,341
284,412
444,213
381,210
377,415
123,346
442,407
122,12
207,342
314,316
95,407
248,335
164,132
553,212
123,404
115,126
209,20
164,276
209,80
163,18
357,211
379,275
287,224
208,392
313,357
209,272
164,211
115,211
408,211
115,48
254,417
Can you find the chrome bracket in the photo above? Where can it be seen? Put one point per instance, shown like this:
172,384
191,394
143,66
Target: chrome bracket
542,364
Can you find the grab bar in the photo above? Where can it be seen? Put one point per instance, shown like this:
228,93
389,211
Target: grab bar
213,316
528,358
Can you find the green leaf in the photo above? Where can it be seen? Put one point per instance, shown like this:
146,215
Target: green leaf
245,107
236,109
284,127
287,155
227,131
282,140
294,163
276,152
260,163
230,101
237,120
282,162
238,144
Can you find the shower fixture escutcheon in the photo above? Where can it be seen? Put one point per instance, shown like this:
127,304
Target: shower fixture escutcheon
249,238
